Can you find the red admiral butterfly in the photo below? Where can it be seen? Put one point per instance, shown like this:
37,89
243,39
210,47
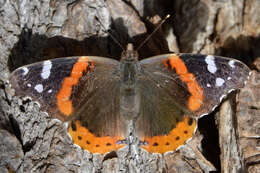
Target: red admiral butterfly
163,96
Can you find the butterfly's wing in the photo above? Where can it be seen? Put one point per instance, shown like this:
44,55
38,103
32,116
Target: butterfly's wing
176,90
75,89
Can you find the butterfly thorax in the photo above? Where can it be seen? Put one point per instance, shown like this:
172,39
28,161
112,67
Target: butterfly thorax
129,67
129,93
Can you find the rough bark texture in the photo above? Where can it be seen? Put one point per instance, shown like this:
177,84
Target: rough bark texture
36,30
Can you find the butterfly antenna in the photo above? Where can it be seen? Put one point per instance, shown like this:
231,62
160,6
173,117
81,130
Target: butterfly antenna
147,38
110,34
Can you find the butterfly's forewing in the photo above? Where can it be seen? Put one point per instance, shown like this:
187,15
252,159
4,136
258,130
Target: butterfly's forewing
175,89
82,90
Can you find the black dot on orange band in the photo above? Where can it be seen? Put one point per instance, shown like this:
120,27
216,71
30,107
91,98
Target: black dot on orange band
73,126
88,142
79,137
155,144
185,131
89,65
177,138
88,69
97,145
108,144
167,143
168,64
190,121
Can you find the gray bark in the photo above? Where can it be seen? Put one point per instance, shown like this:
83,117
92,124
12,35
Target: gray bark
31,31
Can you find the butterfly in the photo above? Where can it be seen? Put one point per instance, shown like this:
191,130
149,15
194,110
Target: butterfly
162,95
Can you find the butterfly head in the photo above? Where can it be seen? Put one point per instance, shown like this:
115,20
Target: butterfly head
129,55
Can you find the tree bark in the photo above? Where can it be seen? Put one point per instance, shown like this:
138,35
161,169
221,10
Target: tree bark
32,31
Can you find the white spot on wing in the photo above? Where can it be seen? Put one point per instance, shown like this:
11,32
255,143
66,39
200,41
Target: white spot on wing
38,88
50,91
208,85
210,60
46,69
222,97
25,70
231,63
229,78
214,107
29,85
219,82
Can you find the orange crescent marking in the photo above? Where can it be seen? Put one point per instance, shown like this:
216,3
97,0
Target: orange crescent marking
63,97
86,140
196,92
177,137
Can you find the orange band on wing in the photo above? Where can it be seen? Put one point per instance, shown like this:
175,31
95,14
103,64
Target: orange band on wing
178,136
63,97
194,89
86,140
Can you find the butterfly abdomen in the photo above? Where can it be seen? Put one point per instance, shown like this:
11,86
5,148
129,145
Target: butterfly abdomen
129,93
